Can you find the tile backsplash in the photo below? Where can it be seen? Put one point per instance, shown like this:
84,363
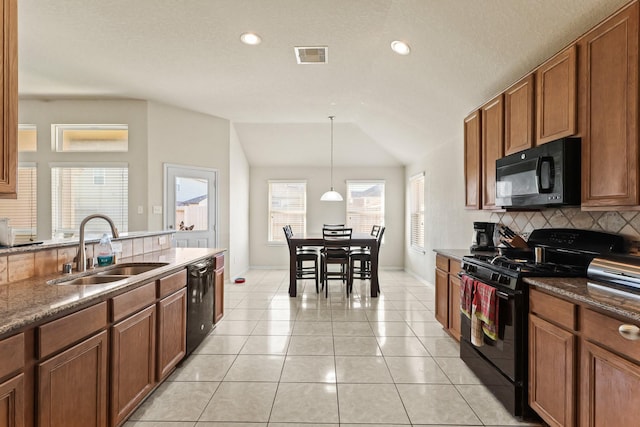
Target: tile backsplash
626,223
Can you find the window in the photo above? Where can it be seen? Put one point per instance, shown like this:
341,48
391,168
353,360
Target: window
27,138
416,197
81,190
90,138
22,212
365,205
287,205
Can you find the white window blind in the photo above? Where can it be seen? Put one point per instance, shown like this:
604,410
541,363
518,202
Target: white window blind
287,206
365,205
81,190
416,196
22,212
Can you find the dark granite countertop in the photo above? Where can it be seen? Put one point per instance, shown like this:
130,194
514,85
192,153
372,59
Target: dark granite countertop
32,301
625,306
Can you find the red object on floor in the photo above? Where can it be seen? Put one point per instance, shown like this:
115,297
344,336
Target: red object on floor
240,280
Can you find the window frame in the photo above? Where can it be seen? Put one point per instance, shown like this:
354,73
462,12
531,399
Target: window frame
415,209
58,129
350,212
278,239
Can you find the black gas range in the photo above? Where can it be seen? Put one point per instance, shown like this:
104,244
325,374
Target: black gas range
501,363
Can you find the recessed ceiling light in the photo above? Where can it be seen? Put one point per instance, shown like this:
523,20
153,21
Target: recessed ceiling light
250,38
400,47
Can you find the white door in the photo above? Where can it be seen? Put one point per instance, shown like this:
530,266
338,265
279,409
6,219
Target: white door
190,205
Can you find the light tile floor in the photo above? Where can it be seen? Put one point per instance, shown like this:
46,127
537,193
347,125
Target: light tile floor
309,361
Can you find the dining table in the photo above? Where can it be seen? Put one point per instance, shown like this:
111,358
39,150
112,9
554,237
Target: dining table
357,239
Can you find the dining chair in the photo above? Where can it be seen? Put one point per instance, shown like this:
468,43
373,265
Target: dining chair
301,255
360,260
337,244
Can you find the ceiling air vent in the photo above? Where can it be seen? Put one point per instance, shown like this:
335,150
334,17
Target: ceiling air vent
312,55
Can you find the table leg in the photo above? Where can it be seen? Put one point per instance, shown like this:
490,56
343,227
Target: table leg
293,291
375,284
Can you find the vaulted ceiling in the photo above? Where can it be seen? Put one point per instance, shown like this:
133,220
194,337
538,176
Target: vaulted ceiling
389,109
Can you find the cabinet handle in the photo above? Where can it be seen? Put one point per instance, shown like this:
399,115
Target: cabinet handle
629,332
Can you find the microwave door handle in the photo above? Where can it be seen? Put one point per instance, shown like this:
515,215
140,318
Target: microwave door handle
542,160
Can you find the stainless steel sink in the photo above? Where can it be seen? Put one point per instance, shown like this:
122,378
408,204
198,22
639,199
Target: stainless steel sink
93,280
111,274
131,269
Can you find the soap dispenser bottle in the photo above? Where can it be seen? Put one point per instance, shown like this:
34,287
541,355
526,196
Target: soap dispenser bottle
104,251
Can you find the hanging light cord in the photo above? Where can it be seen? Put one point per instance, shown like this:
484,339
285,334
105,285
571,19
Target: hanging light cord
331,118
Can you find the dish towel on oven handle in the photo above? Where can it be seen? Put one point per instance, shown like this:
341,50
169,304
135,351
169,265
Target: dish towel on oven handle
485,309
466,295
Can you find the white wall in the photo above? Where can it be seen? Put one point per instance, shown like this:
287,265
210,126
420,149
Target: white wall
239,173
448,225
187,138
44,113
318,213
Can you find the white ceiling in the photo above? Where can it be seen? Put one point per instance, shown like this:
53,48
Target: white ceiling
389,109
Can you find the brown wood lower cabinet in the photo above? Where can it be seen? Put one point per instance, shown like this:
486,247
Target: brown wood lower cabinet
447,296
598,385
172,332
551,372
133,349
610,388
12,402
218,302
454,306
72,388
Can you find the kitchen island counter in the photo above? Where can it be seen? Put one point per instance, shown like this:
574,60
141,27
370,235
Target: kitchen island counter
29,302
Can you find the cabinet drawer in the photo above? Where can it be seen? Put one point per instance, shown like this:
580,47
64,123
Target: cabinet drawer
11,354
56,335
553,309
604,330
219,262
442,262
125,304
170,284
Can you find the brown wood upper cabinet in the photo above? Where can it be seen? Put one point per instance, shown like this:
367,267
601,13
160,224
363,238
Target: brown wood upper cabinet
608,78
519,101
9,96
472,161
556,102
492,147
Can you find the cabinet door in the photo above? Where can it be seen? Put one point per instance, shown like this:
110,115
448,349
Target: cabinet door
12,402
454,306
9,95
551,372
472,161
172,332
609,111
442,297
72,389
518,116
218,302
610,389
133,357
492,148
556,100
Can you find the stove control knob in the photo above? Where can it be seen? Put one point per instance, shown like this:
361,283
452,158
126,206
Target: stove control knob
504,280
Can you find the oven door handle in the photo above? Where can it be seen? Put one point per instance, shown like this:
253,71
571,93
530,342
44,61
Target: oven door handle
502,295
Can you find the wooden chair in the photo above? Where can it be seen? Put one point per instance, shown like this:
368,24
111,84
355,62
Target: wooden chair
337,243
360,260
301,255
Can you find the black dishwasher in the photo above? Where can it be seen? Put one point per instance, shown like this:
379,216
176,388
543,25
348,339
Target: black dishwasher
200,302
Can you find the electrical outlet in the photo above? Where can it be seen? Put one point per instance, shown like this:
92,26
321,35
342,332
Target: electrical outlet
140,210
157,210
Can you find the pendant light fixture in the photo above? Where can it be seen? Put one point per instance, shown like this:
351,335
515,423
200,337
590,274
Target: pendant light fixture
331,195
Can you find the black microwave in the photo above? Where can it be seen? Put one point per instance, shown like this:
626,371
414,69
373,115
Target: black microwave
547,175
